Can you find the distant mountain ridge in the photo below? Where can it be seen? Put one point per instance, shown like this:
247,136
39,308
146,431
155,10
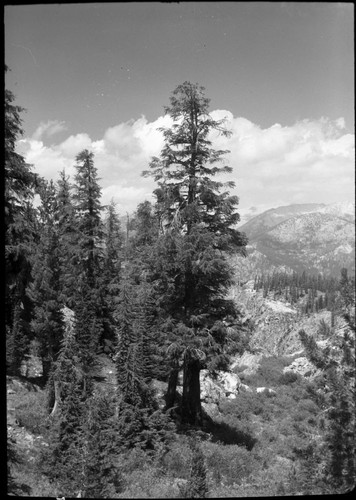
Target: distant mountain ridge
266,220
313,237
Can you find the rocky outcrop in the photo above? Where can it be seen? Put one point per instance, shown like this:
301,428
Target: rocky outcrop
302,366
247,364
215,389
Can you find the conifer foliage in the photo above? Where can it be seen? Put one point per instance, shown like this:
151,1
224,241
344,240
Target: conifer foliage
197,216
19,225
337,362
115,318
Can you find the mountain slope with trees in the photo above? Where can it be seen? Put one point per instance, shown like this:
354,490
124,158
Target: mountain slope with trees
111,331
315,238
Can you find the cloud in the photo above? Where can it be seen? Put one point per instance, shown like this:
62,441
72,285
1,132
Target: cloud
49,129
46,161
72,146
310,161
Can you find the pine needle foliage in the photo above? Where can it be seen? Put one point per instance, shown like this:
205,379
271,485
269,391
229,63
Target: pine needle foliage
20,233
338,368
197,218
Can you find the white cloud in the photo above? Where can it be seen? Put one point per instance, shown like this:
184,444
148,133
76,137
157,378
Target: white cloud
47,161
48,129
310,161
72,146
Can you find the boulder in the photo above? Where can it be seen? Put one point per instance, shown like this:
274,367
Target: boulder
223,385
211,409
265,390
245,388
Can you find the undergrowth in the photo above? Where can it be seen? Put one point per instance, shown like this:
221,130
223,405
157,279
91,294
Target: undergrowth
249,450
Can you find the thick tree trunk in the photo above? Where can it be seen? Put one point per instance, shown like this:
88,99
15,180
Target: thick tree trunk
191,404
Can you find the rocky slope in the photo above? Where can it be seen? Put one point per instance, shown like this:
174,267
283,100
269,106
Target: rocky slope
315,238
270,218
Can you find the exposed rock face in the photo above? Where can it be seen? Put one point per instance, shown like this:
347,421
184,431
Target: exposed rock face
247,364
316,238
303,367
225,385
213,390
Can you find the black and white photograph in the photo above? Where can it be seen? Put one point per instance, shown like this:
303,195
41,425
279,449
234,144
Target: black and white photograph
179,228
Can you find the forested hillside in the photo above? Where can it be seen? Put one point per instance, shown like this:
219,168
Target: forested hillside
125,343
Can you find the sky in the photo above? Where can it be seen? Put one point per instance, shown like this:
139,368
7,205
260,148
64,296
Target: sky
97,76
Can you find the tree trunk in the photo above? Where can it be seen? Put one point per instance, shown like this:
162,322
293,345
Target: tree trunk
191,404
46,369
57,398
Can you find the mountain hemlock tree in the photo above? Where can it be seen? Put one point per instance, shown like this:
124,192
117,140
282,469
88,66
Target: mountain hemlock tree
87,263
66,455
86,199
20,184
47,323
114,241
200,216
67,239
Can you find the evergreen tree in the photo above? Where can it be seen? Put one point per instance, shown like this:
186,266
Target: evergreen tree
19,222
67,240
338,366
197,220
114,242
140,422
101,477
87,263
112,261
65,458
44,290
86,199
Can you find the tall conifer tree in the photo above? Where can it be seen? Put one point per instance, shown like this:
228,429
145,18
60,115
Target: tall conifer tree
87,263
19,221
198,217
44,290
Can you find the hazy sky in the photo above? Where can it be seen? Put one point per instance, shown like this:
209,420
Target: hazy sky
97,76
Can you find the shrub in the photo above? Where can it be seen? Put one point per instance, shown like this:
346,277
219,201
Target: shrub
288,378
242,406
196,486
239,368
176,461
148,482
308,406
228,463
269,372
229,430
